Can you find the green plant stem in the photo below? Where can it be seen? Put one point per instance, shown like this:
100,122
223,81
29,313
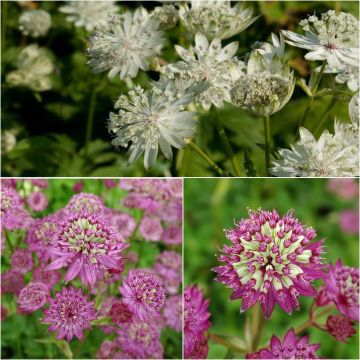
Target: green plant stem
4,11
228,344
90,118
325,115
8,241
206,158
225,140
309,323
306,113
258,324
267,136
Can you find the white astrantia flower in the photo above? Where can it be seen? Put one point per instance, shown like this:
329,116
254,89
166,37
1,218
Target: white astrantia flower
125,43
334,38
35,23
207,62
345,74
166,15
215,19
268,83
88,14
149,119
330,155
34,67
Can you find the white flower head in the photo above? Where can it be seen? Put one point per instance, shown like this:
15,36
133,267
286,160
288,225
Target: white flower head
166,15
268,83
35,23
331,155
149,119
215,19
125,43
334,37
34,67
207,62
88,14
345,74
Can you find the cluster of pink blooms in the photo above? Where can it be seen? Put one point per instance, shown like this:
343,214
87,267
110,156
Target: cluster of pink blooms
84,250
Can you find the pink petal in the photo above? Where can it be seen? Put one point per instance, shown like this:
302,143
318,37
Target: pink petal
74,269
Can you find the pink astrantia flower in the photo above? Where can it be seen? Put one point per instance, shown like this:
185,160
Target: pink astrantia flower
120,313
341,328
342,287
123,223
290,348
12,282
88,245
349,221
22,261
143,294
37,201
85,202
109,183
173,312
270,260
41,183
150,228
49,278
172,235
345,188
141,340
78,187
69,313
196,320
33,297
200,350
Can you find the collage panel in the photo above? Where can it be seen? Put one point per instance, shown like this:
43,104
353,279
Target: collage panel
91,268
271,268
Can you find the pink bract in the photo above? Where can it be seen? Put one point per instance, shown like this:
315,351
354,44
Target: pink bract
33,297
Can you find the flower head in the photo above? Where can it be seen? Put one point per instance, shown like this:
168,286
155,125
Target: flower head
332,38
89,203
124,44
172,235
35,22
38,201
270,260
349,221
88,14
173,312
12,282
88,245
152,118
33,297
22,261
69,313
290,348
151,228
341,328
143,293
166,15
215,19
346,188
196,319
120,313
342,287
123,223
49,278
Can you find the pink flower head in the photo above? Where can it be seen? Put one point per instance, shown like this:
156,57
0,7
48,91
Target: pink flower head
123,223
120,313
22,261
85,202
143,294
12,282
107,350
271,260
341,328
349,221
49,278
33,297
141,340
110,183
345,188
69,313
172,235
196,320
173,312
41,183
200,350
291,348
150,228
78,187
37,201
342,287
169,265
88,245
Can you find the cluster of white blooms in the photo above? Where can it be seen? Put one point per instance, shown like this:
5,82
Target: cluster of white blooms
33,69
35,23
215,19
88,14
208,62
125,43
268,83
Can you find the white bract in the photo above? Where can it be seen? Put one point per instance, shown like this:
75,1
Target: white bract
166,15
345,74
35,23
34,67
149,119
215,19
268,83
354,109
88,14
125,43
334,37
208,62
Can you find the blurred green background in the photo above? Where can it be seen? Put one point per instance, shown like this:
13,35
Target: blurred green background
23,336
212,205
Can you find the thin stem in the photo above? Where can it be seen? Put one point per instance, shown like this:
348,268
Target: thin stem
309,323
206,158
258,323
325,115
318,79
90,118
8,241
306,113
267,136
228,344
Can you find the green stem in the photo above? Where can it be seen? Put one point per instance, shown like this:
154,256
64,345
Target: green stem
206,158
225,140
306,113
267,136
228,344
309,323
90,118
8,241
258,322
4,16
318,79
325,115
